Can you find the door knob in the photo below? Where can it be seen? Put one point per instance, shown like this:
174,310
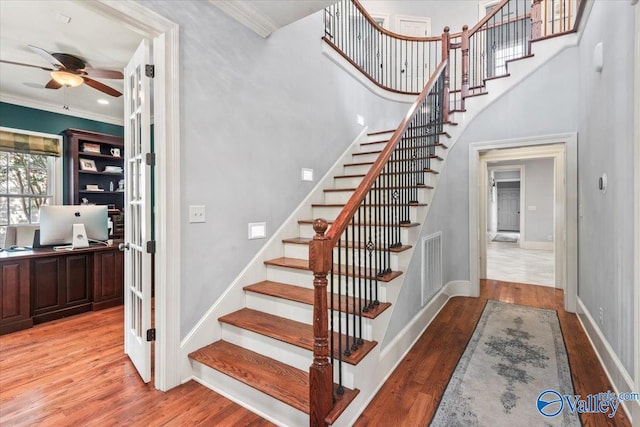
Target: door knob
123,246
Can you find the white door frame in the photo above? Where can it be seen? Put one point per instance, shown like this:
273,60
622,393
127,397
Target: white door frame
166,118
564,150
636,274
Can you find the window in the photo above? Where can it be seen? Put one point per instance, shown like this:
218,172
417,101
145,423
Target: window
29,176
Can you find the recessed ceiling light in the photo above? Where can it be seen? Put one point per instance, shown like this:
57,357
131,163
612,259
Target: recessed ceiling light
103,102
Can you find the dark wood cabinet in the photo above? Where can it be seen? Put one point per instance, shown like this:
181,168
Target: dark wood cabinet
108,279
60,286
85,151
14,295
40,285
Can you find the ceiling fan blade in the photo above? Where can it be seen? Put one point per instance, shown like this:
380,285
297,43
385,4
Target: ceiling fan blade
27,65
104,74
46,55
102,87
52,84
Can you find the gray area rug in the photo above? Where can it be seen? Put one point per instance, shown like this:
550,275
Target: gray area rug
514,354
508,238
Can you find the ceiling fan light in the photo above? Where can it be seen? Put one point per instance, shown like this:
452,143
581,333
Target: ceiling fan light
67,79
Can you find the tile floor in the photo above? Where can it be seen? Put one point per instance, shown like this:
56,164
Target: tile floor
509,262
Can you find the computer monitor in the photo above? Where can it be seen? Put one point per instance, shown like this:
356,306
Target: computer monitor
56,223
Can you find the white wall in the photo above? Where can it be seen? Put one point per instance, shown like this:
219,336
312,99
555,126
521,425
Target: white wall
254,112
452,13
544,103
606,146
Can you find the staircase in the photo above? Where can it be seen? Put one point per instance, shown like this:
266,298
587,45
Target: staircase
260,351
276,323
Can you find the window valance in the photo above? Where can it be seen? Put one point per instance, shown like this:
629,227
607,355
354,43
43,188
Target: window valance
32,144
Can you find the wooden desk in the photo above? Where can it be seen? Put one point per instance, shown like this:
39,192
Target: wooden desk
40,285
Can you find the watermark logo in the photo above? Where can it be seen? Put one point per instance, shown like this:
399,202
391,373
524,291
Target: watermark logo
551,403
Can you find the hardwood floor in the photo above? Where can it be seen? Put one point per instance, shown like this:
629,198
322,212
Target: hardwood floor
73,372
411,395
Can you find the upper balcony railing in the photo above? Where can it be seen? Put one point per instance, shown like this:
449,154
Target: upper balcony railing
394,62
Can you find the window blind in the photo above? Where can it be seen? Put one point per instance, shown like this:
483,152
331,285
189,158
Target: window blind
30,144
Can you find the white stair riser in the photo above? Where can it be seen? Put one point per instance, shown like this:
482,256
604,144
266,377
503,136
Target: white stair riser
297,357
306,230
301,312
335,197
361,158
330,213
350,182
295,250
304,278
248,396
342,197
292,355
378,146
356,169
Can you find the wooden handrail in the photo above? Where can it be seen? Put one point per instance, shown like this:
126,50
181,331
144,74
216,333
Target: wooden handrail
358,196
487,17
383,30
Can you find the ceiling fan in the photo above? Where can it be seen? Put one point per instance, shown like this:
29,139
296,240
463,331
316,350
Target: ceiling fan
69,70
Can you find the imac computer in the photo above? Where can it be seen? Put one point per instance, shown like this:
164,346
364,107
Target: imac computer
73,225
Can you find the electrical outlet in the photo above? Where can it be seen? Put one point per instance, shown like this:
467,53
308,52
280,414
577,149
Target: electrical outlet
196,214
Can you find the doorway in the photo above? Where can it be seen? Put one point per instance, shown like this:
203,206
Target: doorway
563,149
166,131
508,201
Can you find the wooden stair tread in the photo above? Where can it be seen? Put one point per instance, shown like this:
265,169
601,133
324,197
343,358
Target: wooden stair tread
431,156
403,225
305,296
472,95
340,205
303,264
417,186
380,132
497,77
363,153
274,378
362,175
295,333
306,240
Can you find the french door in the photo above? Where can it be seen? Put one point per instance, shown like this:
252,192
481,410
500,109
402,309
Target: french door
137,213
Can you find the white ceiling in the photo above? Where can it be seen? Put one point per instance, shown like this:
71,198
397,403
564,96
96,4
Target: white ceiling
100,41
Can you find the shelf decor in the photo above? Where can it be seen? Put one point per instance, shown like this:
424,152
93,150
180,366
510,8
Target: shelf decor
93,172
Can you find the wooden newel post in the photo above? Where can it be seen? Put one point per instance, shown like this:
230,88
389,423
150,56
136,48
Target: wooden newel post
464,47
536,19
320,373
445,56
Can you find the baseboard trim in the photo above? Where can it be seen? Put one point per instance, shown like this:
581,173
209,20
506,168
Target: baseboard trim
399,347
620,379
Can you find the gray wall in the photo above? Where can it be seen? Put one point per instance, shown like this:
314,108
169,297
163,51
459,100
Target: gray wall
254,111
606,145
452,13
539,192
544,103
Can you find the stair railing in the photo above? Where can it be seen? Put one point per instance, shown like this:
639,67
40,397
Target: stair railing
504,34
353,255
392,61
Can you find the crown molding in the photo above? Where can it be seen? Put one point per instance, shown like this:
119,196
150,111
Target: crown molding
56,108
243,12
